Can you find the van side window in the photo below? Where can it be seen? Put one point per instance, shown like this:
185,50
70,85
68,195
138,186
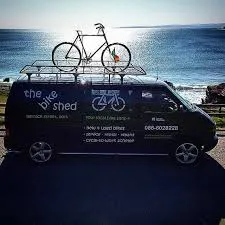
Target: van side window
157,101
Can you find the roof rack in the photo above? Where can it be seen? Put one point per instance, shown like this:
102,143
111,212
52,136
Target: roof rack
44,70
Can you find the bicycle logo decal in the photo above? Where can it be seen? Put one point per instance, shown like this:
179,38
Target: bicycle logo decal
110,97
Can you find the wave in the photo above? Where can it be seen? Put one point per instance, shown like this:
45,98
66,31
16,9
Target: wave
191,88
193,94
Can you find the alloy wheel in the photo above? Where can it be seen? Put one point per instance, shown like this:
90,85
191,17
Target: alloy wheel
40,152
187,153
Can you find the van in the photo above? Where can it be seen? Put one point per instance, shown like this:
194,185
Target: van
44,117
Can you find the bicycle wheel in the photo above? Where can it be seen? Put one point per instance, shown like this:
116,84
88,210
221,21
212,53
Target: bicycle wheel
66,56
118,106
96,106
116,57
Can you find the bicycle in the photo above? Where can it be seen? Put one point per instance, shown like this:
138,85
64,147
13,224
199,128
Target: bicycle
100,103
115,58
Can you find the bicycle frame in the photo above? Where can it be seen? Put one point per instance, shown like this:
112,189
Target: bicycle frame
113,96
79,37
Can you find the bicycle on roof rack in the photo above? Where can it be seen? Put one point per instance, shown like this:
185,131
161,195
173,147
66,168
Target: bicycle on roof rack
115,58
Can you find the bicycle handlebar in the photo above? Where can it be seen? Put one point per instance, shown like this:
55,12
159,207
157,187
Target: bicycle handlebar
100,26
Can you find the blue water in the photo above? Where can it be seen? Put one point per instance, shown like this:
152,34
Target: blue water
190,57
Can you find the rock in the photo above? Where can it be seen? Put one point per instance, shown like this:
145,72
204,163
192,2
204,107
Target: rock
5,88
215,94
7,79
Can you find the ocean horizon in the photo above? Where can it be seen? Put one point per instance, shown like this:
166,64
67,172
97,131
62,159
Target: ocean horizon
191,57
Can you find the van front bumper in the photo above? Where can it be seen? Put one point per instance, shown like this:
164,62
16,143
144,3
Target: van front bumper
211,144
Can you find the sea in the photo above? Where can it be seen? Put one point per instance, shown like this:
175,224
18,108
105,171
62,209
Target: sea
191,57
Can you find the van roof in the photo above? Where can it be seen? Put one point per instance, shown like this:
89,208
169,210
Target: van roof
96,79
99,80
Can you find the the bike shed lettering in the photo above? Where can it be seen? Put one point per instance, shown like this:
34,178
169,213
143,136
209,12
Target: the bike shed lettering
45,101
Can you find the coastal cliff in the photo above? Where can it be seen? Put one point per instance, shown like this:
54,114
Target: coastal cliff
215,94
5,88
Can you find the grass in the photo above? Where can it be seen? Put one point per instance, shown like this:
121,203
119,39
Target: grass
220,121
3,98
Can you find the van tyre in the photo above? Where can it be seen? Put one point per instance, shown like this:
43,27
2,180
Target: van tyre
187,153
40,152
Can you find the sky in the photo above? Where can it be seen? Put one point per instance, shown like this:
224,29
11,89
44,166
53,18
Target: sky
58,14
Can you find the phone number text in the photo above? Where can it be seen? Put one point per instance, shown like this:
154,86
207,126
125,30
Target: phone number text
151,127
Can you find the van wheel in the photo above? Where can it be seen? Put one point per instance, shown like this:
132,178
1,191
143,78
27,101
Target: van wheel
40,152
187,154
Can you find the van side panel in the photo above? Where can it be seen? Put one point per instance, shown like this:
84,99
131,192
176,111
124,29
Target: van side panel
110,123
42,111
75,118
101,119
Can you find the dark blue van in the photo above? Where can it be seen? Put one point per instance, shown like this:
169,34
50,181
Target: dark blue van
44,117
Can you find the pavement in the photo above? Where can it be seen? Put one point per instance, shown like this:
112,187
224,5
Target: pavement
111,190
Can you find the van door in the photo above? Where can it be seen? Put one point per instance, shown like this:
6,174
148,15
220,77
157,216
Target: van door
69,111
107,123
49,112
161,119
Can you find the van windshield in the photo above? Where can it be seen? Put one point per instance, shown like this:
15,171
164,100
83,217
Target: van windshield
185,102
